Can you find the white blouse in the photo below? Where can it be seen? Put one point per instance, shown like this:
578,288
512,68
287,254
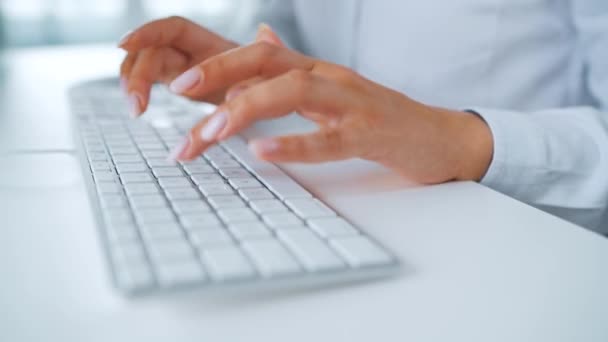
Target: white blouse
535,70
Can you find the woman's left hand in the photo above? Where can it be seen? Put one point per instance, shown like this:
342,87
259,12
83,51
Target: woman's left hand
357,118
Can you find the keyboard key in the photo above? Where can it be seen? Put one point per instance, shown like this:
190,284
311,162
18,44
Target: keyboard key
223,163
101,166
133,167
235,173
131,150
134,277
109,201
207,178
167,250
148,201
154,215
200,221
226,201
184,272
270,257
237,215
127,252
314,254
270,174
127,158
190,206
249,230
360,251
136,177
117,215
160,153
309,208
227,263
255,193
331,227
174,182
203,238
167,172
159,162
243,183
103,176
268,206
215,189
109,188
282,220
198,169
122,233
140,189
182,194
162,231
98,156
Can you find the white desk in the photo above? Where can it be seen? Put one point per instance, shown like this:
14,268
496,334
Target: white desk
478,265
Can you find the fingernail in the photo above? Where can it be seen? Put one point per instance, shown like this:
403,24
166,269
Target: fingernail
263,146
266,34
234,93
186,81
123,84
178,151
214,126
125,38
134,105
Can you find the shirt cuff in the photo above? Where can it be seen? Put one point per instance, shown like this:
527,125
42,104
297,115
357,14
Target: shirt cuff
510,160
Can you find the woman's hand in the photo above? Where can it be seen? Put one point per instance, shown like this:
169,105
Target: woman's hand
357,118
160,51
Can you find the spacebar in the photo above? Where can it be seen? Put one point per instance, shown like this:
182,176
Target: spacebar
273,177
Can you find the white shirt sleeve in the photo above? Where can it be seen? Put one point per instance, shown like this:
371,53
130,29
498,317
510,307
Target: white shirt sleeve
557,159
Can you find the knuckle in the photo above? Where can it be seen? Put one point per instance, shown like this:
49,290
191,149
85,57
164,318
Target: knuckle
343,74
334,141
301,81
266,49
175,20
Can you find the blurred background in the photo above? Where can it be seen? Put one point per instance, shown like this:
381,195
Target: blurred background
53,22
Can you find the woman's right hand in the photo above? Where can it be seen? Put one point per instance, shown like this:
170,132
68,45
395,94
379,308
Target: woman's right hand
161,50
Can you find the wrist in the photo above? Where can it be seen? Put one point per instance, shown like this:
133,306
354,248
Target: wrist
475,145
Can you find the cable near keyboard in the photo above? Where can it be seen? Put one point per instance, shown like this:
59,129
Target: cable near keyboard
223,219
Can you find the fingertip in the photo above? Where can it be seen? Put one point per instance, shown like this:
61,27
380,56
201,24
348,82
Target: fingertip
135,105
179,152
123,84
264,148
186,81
125,38
266,34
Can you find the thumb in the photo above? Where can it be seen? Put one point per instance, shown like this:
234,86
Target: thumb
266,34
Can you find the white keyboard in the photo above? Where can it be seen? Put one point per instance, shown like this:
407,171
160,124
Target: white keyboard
225,219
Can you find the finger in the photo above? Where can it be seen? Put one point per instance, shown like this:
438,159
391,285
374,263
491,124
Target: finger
321,146
190,147
152,64
296,90
174,31
266,34
240,87
125,68
259,59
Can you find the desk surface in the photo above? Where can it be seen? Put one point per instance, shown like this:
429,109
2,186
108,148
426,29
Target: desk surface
478,265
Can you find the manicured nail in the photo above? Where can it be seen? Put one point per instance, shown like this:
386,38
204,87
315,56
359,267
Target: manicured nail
214,126
178,151
134,105
263,146
123,84
186,81
125,38
234,93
